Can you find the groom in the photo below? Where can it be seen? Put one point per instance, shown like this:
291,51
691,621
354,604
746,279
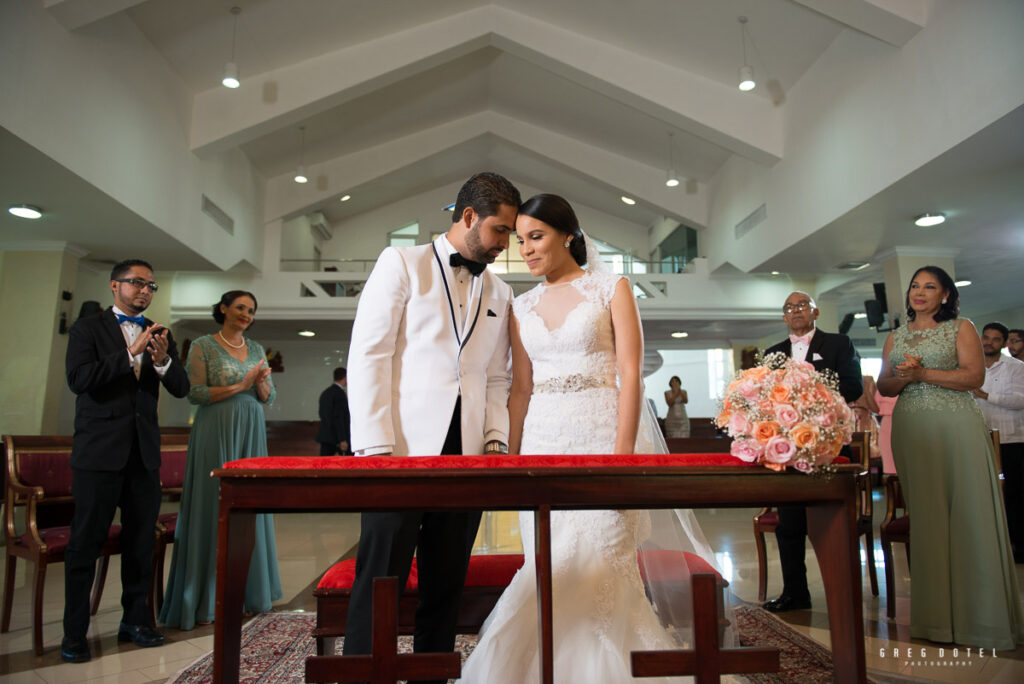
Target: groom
428,375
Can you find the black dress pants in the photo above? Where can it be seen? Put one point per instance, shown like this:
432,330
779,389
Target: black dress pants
442,542
791,534
1012,457
97,493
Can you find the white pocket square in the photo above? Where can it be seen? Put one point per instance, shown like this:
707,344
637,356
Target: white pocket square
816,357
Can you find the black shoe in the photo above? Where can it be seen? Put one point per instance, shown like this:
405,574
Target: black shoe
141,635
784,603
75,650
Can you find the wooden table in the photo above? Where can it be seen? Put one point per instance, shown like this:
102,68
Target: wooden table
831,521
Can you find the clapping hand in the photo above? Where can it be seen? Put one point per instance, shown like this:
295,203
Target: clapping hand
158,346
910,370
141,342
256,374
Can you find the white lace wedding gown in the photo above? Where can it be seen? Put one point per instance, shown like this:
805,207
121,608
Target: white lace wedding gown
600,610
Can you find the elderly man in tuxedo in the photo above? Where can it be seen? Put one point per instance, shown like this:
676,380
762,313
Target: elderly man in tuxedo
116,362
826,351
428,375
333,434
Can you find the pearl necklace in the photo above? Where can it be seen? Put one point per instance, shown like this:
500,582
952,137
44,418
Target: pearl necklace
233,346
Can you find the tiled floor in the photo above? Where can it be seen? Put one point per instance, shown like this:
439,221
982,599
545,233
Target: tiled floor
308,544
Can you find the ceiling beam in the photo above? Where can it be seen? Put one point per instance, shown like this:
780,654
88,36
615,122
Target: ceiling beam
74,14
748,126
892,21
285,198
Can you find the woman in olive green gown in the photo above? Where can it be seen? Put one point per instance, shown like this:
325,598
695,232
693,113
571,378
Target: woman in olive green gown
963,583
230,383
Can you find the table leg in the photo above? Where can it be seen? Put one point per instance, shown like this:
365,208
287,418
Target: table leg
236,536
542,547
832,530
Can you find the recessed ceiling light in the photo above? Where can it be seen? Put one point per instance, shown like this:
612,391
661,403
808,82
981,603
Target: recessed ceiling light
928,220
345,198
26,211
860,315
679,334
962,283
775,273
628,200
307,333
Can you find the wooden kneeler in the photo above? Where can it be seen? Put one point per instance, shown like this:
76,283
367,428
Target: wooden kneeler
384,665
707,661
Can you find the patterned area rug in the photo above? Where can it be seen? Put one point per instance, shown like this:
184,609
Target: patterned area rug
275,647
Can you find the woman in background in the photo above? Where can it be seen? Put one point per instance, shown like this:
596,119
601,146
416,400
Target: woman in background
677,423
230,383
962,576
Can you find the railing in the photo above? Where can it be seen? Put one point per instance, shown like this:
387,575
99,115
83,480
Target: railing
504,265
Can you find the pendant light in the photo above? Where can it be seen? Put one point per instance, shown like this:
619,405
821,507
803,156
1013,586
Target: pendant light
746,71
300,173
230,79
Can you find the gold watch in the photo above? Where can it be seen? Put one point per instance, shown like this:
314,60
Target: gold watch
495,447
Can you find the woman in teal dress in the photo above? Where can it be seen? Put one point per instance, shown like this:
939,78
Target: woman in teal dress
230,382
963,583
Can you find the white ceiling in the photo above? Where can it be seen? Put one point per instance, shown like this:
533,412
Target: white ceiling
977,183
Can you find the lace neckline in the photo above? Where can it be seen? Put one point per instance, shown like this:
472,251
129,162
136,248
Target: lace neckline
581,276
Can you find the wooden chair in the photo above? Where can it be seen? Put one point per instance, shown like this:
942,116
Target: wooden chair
767,519
173,457
895,527
38,479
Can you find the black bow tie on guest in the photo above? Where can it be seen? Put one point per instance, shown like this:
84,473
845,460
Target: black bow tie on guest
475,267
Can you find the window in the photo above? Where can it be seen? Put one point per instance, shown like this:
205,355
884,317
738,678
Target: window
404,237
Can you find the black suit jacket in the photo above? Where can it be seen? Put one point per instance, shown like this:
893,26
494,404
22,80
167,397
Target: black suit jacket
334,416
112,405
838,354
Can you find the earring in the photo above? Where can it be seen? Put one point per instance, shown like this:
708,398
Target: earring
943,301
567,244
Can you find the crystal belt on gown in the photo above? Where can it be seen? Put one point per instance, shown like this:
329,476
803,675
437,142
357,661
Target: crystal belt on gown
573,383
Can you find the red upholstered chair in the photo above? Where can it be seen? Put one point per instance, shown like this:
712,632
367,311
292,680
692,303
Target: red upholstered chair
173,456
767,519
38,478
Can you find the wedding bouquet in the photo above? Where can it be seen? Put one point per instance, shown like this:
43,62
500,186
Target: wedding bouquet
785,413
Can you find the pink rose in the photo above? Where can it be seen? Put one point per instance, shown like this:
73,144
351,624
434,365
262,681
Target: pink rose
746,450
749,390
803,466
786,415
738,425
779,450
826,419
806,366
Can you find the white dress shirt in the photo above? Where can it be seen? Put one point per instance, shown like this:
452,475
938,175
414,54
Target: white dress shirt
465,286
1004,408
131,330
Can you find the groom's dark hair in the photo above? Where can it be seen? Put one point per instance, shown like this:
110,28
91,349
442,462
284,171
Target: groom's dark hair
485,192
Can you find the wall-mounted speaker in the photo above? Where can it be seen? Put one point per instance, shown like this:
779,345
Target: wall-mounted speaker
876,312
880,296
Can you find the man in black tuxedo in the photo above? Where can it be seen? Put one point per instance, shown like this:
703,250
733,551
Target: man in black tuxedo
333,432
827,351
115,363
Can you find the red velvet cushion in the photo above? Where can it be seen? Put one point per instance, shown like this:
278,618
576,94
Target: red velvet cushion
769,518
56,538
395,462
170,523
172,467
493,570
46,469
343,573
666,566
899,525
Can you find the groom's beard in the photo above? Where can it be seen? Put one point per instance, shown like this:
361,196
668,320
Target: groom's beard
475,246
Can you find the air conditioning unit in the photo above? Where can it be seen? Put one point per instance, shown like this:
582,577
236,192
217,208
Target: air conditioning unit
321,228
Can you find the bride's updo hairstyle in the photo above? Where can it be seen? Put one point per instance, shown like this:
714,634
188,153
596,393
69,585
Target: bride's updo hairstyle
557,213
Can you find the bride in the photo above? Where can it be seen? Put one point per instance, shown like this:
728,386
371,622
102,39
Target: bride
577,350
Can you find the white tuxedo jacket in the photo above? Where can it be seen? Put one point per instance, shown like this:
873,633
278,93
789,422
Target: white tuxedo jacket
411,356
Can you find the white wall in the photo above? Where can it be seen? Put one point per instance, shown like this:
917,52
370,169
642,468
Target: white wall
691,365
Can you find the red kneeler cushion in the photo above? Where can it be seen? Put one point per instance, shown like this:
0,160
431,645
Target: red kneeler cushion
497,570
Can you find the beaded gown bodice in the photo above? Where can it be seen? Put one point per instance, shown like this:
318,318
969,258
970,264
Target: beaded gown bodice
937,349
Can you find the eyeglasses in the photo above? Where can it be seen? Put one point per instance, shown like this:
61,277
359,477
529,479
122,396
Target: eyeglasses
799,306
139,283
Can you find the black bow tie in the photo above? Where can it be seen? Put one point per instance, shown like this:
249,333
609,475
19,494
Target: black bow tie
475,267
